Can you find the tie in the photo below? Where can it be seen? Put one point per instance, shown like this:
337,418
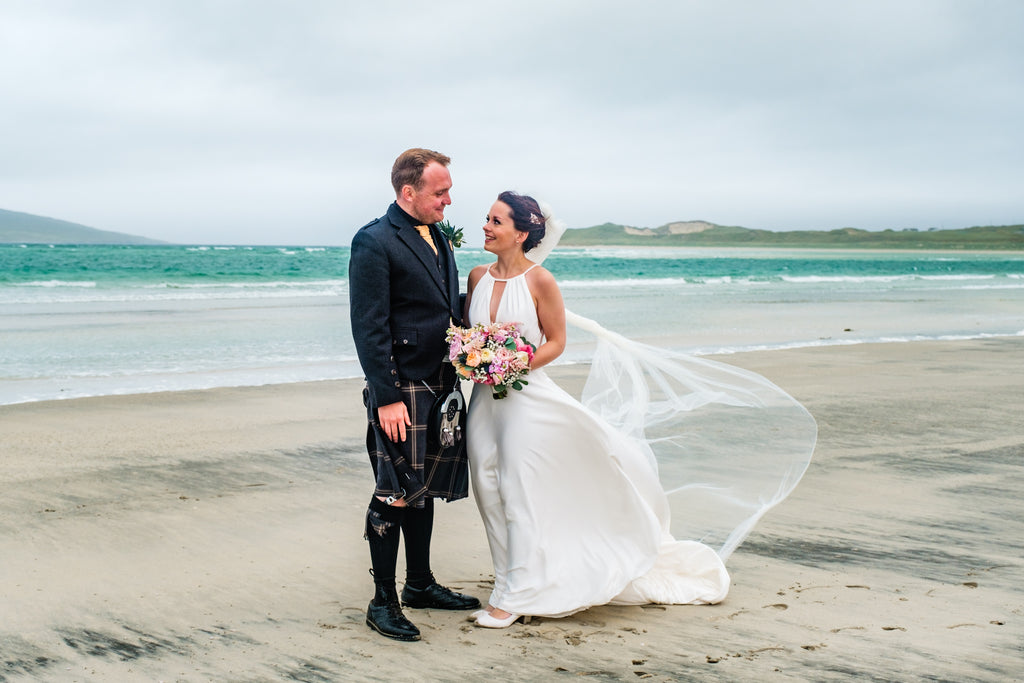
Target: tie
424,231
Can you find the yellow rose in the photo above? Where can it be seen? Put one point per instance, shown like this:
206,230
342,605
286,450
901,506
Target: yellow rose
486,355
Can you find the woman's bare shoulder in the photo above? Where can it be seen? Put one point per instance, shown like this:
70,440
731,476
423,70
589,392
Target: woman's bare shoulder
541,277
476,273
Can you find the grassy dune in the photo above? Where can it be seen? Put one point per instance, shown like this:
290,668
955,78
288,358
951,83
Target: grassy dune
701,234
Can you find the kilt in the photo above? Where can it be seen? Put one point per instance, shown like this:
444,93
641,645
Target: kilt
437,472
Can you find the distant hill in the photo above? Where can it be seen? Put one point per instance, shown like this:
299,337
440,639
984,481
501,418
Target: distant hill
26,228
704,234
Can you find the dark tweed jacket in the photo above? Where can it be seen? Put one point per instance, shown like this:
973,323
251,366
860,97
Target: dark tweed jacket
401,299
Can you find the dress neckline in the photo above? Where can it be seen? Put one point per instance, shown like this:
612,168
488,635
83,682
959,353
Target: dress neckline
507,279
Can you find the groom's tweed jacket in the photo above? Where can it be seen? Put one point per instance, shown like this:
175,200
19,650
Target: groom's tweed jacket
401,300
402,297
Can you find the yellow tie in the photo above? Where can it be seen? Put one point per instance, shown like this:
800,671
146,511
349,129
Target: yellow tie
424,231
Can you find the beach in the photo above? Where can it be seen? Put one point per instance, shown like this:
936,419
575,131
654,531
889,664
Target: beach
217,535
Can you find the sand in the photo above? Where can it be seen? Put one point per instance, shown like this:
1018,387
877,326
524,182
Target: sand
216,535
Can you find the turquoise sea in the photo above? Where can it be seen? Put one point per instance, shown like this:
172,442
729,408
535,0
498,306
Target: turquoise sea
95,320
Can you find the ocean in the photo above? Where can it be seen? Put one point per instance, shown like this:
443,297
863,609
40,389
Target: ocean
97,320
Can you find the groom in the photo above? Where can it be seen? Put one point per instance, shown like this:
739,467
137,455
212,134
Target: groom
403,294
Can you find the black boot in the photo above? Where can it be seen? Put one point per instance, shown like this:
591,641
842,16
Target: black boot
436,596
384,615
421,590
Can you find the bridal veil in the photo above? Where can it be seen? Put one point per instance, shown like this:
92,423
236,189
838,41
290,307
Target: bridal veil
729,444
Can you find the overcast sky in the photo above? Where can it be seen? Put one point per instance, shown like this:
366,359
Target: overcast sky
260,122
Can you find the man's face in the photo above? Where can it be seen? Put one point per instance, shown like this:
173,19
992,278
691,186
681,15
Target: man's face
428,202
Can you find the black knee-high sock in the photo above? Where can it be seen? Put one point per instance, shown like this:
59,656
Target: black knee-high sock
383,523
417,526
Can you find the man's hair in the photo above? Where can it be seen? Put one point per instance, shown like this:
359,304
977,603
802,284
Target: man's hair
408,168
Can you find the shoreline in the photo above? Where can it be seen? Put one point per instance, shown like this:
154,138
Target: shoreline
721,354
217,534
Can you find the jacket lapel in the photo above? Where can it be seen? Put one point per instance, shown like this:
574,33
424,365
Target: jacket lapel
425,254
449,271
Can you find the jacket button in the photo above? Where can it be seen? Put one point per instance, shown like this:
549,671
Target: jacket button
394,372
405,341
398,384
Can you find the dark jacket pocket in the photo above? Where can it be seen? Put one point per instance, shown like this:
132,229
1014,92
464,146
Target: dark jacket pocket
405,338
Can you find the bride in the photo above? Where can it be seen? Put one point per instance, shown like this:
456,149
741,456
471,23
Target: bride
575,511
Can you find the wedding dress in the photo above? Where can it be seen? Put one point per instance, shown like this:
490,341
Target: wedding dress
573,509
582,501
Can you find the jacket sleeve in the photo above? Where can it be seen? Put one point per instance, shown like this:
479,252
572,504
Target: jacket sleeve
369,290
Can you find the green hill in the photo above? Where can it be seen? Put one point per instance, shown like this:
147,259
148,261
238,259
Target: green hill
26,228
704,234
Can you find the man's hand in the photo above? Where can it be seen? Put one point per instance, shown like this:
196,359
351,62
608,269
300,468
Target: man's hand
394,418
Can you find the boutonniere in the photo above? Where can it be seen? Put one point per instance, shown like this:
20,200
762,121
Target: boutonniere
453,234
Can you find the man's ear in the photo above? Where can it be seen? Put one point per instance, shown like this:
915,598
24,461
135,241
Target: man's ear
408,193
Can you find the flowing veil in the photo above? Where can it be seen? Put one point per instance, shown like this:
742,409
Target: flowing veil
728,444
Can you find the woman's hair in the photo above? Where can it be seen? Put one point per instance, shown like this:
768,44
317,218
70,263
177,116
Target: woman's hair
408,167
526,216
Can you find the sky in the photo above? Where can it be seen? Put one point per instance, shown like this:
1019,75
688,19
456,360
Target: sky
277,122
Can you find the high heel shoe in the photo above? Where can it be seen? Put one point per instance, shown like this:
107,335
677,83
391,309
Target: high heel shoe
488,621
474,615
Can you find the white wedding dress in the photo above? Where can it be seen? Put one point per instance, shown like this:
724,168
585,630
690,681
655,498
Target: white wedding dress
573,507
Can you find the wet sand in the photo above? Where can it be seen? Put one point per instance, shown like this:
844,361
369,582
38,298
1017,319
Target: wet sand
217,535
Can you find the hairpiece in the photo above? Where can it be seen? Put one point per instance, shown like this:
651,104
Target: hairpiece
535,219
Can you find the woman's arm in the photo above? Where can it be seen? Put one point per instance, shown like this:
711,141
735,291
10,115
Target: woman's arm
547,297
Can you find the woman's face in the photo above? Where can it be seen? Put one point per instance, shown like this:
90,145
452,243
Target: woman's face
500,232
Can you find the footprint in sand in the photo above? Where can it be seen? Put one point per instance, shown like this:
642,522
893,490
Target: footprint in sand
729,616
778,605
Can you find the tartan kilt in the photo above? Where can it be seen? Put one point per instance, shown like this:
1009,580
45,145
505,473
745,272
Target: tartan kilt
443,473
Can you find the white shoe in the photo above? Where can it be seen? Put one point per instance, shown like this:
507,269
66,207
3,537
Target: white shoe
474,615
488,621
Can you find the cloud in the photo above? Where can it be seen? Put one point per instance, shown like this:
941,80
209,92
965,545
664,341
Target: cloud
270,122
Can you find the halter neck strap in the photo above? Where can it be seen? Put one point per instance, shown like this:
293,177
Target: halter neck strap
506,279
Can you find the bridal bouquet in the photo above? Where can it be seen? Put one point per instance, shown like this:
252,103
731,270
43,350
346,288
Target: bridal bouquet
496,354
